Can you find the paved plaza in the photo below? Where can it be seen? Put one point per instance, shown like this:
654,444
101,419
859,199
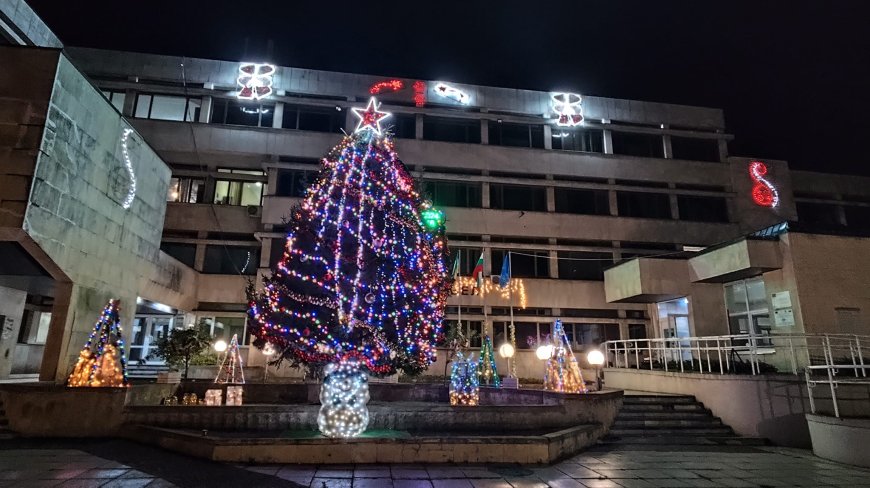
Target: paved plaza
115,463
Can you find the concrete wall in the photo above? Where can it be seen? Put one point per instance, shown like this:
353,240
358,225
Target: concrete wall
840,440
12,309
770,406
24,27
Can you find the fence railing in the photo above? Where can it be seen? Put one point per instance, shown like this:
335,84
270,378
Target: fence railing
731,353
834,382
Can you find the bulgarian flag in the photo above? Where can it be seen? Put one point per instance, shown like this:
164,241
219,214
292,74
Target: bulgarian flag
456,264
477,274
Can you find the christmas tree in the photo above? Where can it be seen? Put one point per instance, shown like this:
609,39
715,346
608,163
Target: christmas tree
107,365
361,277
464,383
488,371
563,372
230,371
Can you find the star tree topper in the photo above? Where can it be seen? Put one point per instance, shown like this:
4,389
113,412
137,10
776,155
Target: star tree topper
370,118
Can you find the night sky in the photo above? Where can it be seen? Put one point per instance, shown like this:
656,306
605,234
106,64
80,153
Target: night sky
792,76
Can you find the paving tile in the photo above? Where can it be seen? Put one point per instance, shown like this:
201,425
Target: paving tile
334,473
372,473
636,483
331,483
600,483
451,483
82,483
576,471
414,474
411,483
128,483
444,473
372,483
270,470
565,483
159,483
480,473
526,483
490,483
103,473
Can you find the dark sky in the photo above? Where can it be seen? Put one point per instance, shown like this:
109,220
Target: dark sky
792,76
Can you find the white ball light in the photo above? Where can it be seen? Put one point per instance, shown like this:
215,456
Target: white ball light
343,398
595,357
220,346
506,350
544,352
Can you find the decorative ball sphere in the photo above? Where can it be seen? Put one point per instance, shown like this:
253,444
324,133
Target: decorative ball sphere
506,350
370,298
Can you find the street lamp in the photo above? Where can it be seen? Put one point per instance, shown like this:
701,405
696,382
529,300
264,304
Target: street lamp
220,346
596,358
544,352
507,351
268,351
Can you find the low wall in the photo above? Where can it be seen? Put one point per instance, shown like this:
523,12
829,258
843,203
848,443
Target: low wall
841,440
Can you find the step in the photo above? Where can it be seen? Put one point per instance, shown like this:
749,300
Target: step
652,407
666,423
655,399
666,415
687,431
675,440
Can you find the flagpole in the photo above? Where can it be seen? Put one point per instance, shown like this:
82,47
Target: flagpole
511,334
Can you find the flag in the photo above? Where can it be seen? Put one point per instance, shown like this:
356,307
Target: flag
505,277
477,274
456,264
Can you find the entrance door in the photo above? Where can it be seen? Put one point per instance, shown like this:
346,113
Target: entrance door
673,319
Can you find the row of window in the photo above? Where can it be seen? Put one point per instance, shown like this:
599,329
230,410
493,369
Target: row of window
332,119
219,259
227,191
531,334
831,215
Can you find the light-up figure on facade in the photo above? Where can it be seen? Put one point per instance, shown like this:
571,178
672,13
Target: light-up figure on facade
255,80
568,110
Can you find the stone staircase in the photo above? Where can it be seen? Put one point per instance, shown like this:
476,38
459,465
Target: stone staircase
671,420
136,371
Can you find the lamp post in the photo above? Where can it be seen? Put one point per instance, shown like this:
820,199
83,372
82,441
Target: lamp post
596,358
543,352
507,351
220,346
268,351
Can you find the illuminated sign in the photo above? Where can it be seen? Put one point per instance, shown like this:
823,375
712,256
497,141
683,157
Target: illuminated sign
452,93
255,80
131,193
568,110
419,93
370,117
763,192
386,85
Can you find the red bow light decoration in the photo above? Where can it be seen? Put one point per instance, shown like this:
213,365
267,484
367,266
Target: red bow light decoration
255,80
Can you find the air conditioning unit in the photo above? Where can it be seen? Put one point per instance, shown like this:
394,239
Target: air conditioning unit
255,210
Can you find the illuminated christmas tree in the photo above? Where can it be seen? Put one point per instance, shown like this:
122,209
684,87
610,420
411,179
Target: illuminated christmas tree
563,371
464,382
488,371
362,279
230,371
102,362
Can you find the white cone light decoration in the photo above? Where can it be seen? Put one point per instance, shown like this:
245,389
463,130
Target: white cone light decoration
343,399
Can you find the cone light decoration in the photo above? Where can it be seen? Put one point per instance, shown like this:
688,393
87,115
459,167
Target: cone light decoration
231,370
563,372
464,383
102,362
488,371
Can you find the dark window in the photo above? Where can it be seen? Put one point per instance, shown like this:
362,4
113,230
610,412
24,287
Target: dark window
231,260
293,182
597,313
236,112
695,149
167,107
316,119
403,125
515,197
186,253
644,145
595,334
589,202
524,263
644,205
526,334
636,331
453,193
117,99
582,265
818,213
468,257
276,252
857,216
586,140
516,135
186,190
702,209
451,130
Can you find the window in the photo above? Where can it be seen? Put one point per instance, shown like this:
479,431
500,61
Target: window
238,192
516,135
595,334
225,327
818,213
588,202
524,263
293,182
167,107
746,303
858,216
580,265
237,112
515,197
34,326
231,260
316,119
116,98
643,145
453,193
186,190
695,149
586,140
186,253
403,126
643,205
276,252
636,331
468,257
451,130
703,209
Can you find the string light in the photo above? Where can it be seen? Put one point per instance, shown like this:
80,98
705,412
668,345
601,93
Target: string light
386,85
419,93
568,110
131,193
343,399
255,80
763,192
231,370
563,372
452,93
464,383
488,371
107,366
370,118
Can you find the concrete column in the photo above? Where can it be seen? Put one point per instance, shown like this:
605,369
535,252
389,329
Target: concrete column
617,253
484,131
554,264
608,139
548,136
841,213
723,150
57,338
487,255
484,194
612,200
129,102
199,257
551,196
209,189
623,324
265,251
278,116
675,206
205,109
418,126
12,304
667,149
271,181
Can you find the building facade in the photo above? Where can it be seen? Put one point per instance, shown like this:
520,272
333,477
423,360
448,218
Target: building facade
567,184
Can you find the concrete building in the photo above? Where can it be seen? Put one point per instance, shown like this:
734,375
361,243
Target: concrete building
509,167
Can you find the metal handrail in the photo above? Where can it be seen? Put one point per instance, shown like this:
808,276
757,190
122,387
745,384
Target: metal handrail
703,349
832,369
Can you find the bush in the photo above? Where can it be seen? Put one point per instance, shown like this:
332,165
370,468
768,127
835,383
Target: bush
180,347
